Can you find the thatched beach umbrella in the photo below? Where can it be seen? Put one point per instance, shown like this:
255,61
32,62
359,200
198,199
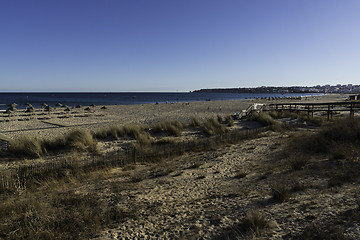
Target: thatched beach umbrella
30,109
12,106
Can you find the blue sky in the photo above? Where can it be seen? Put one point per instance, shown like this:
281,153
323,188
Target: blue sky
177,45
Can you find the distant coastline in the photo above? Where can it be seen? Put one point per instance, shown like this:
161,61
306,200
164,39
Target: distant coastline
347,88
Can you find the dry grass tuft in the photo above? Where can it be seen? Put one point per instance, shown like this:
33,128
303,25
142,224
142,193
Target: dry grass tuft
81,140
299,161
194,122
264,119
55,212
257,223
170,127
280,192
229,121
28,147
345,133
136,132
212,127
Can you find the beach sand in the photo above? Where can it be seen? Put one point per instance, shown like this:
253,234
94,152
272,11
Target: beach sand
58,122
206,194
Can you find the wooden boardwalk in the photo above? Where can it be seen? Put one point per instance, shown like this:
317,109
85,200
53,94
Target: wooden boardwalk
329,108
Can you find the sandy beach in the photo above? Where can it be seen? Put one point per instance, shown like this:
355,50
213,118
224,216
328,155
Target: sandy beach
206,194
59,122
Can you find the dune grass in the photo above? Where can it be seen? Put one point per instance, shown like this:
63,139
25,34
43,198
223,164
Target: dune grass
26,146
169,127
56,212
34,147
136,132
194,122
339,143
264,119
344,132
212,127
257,222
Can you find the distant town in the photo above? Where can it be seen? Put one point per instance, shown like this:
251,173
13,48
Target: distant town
348,88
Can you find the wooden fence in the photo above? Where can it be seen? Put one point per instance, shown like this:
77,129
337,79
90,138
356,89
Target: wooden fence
17,178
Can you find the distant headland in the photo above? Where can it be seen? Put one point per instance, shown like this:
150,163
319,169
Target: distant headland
348,88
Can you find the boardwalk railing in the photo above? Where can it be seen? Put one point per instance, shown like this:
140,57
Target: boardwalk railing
328,108
254,107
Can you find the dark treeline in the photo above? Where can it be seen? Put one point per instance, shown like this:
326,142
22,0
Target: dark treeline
259,90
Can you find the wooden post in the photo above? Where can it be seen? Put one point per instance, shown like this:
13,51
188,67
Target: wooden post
312,112
328,112
308,108
351,110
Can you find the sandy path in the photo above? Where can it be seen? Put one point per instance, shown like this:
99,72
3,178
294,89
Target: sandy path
210,200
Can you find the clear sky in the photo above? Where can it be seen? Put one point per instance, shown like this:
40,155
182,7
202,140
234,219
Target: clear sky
177,45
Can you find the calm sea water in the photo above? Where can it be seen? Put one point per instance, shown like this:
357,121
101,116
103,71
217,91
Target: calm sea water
102,98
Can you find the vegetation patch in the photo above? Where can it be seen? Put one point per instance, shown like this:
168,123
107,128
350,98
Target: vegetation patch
212,127
78,140
194,122
257,223
170,128
27,147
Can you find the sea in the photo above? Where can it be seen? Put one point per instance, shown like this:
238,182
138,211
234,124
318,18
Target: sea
72,99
